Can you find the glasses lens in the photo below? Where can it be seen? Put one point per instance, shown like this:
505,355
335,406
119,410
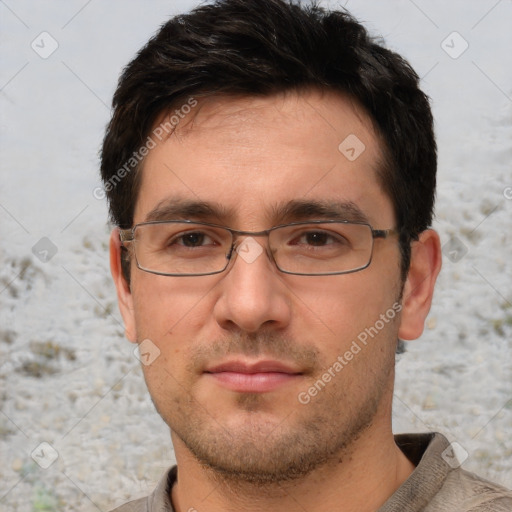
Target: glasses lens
184,248
322,248
181,248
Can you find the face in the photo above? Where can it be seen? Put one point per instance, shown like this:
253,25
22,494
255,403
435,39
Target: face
247,377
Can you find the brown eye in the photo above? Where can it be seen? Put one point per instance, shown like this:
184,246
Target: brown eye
316,238
192,239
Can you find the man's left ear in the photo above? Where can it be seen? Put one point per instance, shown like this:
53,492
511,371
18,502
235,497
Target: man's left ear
419,285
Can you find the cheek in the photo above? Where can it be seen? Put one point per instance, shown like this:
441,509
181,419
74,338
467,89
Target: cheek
346,304
346,317
172,313
165,304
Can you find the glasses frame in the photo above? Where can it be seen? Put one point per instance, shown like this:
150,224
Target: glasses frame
128,235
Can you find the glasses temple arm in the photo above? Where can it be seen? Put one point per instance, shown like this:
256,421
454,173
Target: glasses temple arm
126,235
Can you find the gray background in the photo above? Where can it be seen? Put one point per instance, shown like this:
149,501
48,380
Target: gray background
69,379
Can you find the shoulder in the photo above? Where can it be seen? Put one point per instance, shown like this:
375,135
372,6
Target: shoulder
158,501
467,492
139,505
439,484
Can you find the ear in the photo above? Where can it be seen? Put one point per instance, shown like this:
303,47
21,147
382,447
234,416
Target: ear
419,285
124,294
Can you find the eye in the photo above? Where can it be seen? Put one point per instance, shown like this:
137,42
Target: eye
318,239
192,239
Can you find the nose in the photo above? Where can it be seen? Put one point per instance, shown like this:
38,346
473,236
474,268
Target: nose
253,294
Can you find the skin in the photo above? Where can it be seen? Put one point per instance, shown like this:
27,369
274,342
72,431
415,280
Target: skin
268,451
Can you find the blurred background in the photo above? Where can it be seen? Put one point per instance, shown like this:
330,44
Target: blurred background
77,428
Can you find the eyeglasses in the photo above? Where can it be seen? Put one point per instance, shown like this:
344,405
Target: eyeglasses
313,248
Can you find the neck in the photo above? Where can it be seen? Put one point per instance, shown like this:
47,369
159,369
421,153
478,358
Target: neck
360,479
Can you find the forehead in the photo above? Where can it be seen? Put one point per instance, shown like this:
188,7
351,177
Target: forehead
250,154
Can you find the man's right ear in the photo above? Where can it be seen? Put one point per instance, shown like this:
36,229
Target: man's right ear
124,294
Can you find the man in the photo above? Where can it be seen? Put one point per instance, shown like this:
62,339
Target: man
271,173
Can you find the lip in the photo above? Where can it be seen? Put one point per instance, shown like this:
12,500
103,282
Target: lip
252,377
264,366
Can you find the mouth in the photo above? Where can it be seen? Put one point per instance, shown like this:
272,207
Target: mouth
253,377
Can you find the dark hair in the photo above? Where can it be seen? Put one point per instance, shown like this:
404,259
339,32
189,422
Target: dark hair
262,47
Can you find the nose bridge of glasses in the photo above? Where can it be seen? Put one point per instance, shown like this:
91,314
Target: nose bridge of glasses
244,243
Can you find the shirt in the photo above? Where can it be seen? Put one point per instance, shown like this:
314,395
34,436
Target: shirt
438,484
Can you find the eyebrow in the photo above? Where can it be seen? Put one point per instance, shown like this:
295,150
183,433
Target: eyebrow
298,210
290,211
184,209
